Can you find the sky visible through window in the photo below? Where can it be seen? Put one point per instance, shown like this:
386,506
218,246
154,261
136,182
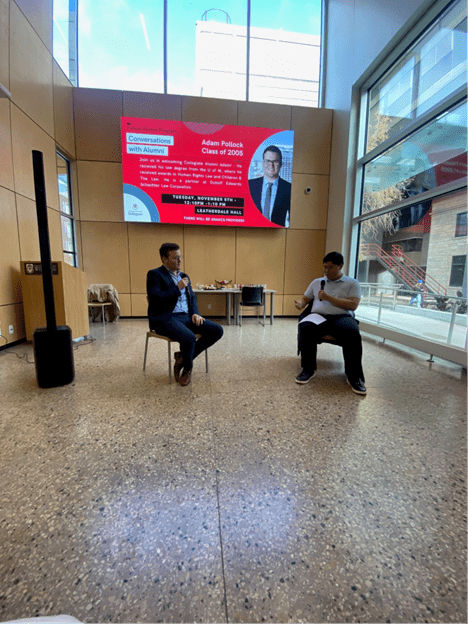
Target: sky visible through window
121,41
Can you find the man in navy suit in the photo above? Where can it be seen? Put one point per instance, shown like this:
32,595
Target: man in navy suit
173,312
270,193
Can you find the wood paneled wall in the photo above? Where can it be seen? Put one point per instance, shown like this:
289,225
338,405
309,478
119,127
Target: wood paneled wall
121,253
38,117
46,113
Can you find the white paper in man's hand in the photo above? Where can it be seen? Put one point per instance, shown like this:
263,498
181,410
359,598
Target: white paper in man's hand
313,318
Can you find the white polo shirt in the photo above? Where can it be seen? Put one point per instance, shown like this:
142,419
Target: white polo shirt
342,288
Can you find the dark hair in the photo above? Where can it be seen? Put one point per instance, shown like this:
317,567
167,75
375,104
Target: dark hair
275,149
334,257
166,248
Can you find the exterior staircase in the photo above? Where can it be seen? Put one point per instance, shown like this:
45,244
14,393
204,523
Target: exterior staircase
402,267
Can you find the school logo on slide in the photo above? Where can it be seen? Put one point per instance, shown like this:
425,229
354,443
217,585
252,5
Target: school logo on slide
138,206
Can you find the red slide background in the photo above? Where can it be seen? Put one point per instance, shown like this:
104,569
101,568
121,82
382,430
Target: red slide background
203,179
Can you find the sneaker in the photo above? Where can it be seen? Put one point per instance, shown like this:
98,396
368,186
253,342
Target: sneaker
184,379
357,386
305,377
179,362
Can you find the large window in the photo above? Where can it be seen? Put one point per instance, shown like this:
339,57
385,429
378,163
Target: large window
422,161
64,37
410,186
285,53
120,45
240,50
432,69
219,50
67,220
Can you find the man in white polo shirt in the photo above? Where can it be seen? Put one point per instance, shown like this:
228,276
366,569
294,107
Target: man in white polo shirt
333,298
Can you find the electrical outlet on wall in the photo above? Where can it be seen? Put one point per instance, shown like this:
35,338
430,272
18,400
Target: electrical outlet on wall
11,329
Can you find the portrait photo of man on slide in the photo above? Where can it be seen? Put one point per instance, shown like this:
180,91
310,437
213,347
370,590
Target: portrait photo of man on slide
271,193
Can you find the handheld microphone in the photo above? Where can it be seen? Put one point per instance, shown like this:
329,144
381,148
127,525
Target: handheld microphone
322,286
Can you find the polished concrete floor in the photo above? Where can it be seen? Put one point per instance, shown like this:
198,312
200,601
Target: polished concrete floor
243,497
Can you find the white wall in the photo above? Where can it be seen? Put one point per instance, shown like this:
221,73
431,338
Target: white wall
358,30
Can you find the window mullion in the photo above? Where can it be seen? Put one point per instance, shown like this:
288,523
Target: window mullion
444,106
451,187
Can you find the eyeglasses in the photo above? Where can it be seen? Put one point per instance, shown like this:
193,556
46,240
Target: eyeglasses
271,163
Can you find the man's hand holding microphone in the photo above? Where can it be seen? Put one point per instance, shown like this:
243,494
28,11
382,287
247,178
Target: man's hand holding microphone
196,318
183,283
322,295
321,292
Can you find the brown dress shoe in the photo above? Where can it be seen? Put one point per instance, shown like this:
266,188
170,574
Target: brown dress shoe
184,379
179,362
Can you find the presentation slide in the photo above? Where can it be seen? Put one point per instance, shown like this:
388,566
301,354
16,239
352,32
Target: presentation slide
206,174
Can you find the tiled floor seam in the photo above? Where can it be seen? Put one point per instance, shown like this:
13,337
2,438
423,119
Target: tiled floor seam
218,506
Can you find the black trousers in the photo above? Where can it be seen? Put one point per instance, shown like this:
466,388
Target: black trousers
181,329
345,329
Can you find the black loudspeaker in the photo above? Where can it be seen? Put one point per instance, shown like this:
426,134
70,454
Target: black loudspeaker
53,354
53,350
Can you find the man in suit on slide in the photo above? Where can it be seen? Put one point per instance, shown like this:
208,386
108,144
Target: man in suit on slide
270,193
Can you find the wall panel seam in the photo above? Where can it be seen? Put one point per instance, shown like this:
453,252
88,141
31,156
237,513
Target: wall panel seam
13,103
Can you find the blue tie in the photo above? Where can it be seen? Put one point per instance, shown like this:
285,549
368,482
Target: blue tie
266,209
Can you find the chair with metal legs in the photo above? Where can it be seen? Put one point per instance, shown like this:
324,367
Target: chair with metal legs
152,334
253,297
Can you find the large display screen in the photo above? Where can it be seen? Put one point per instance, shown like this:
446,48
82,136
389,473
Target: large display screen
206,174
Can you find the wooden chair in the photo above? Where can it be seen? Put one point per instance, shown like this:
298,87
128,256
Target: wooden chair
152,334
101,306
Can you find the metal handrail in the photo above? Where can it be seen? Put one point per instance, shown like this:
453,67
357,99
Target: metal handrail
407,273
403,272
395,291
379,300
436,286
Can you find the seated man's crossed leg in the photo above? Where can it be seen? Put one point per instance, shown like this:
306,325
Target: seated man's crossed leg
173,312
181,328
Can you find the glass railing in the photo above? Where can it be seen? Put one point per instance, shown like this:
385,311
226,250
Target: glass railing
439,318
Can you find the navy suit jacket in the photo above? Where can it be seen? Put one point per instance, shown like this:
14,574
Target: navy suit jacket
163,295
282,203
